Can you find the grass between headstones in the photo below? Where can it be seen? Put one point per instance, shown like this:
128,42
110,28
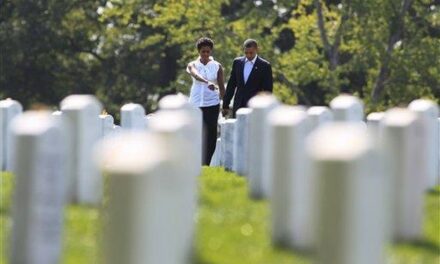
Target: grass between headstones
231,228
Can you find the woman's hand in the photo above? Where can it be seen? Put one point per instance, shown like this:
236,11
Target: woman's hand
226,112
211,86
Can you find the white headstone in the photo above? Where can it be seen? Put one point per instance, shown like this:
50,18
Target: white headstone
181,102
8,110
147,118
133,117
428,113
319,115
106,125
405,186
375,126
116,129
175,127
241,141
292,186
349,226
83,111
147,222
67,132
216,157
221,124
259,181
347,108
39,168
2,142
227,135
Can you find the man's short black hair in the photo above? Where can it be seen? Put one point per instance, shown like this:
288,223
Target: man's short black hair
205,42
249,43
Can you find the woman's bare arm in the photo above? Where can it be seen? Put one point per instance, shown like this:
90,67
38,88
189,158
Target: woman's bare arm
191,69
221,81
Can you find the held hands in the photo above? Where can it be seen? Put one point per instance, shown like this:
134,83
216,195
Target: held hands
226,112
211,86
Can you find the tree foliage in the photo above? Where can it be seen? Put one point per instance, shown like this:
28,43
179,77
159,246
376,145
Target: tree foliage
387,52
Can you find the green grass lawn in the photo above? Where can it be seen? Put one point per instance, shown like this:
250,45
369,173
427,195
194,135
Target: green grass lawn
231,228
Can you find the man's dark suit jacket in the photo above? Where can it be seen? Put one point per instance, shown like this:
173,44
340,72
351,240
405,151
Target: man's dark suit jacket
259,80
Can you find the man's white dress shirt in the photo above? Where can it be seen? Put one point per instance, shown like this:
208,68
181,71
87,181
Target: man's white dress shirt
248,65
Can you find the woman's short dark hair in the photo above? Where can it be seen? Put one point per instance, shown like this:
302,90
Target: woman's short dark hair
205,42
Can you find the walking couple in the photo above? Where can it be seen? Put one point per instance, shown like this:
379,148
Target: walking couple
250,75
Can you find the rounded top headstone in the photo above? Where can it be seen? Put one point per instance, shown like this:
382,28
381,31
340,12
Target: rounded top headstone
244,111
262,101
80,101
300,107
174,101
345,101
347,108
129,153
287,116
230,121
375,116
317,110
133,107
339,141
399,117
164,120
107,118
222,121
10,103
423,105
33,123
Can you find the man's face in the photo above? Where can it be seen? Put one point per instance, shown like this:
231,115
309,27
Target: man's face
250,52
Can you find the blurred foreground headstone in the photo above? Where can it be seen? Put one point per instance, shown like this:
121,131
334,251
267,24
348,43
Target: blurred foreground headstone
405,186
350,220
180,102
292,187
150,199
39,149
427,112
175,127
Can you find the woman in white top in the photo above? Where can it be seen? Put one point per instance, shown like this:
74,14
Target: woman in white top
207,90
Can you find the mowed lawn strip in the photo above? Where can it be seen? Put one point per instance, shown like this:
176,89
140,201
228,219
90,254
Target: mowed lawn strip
231,228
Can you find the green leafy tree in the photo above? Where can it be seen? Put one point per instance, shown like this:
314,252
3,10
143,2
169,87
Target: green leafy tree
386,52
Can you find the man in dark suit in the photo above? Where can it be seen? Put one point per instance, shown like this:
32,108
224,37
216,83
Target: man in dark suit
250,75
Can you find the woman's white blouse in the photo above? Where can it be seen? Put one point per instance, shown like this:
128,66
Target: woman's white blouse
201,95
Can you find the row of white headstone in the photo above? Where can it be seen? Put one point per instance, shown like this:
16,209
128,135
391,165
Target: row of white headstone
327,181
336,184
152,170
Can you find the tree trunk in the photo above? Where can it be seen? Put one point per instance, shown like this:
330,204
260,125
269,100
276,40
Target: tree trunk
394,37
332,50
